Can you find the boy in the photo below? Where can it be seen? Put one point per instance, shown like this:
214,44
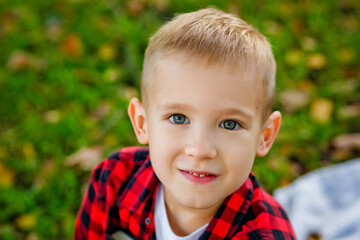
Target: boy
207,92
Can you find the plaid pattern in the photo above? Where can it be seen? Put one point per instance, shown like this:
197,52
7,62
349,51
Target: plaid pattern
121,197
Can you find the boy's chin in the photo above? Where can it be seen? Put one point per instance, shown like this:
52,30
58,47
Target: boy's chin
200,201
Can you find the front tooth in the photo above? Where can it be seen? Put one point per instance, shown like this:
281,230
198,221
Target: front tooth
202,175
195,174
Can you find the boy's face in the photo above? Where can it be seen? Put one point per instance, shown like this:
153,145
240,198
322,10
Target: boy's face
203,125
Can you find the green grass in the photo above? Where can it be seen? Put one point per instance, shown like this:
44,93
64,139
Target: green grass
68,69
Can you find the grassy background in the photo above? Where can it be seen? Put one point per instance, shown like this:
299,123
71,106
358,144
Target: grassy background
69,67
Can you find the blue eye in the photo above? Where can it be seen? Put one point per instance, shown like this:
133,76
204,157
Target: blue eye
230,125
179,119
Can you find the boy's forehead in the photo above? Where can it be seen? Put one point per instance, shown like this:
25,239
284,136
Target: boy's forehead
188,64
167,69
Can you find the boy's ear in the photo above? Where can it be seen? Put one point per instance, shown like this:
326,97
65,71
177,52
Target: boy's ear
137,116
269,133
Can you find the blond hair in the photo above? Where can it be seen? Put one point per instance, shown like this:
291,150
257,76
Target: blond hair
220,38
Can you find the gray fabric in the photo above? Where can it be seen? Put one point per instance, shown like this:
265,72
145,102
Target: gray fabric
121,236
326,201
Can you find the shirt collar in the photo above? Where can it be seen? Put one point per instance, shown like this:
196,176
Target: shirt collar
140,193
140,189
232,210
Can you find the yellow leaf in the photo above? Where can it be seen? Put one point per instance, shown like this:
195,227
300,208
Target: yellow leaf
3,153
308,43
130,93
293,57
316,61
7,176
321,110
28,150
52,116
346,55
111,75
273,27
110,140
161,5
26,222
107,52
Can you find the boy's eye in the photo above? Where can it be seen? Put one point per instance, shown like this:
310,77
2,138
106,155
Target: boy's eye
179,119
230,125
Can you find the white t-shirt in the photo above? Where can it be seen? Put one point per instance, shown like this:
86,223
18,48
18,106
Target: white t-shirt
162,226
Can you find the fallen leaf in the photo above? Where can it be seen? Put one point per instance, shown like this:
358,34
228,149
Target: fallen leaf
161,5
341,154
286,8
54,29
29,150
52,116
110,140
351,111
72,45
26,221
86,157
7,176
293,57
351,23
102,23
107,52
32,236
347,141
273,27
19,61
316,61
293,99
130,92
321,110
3,153
9,22
305,85
111,75
102,110
314,236
308,43
348,4
346,55
45,173
135,7
298,26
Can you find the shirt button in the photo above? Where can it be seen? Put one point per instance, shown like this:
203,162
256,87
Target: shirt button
147,221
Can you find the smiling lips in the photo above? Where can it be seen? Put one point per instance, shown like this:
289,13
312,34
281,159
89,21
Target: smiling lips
199,177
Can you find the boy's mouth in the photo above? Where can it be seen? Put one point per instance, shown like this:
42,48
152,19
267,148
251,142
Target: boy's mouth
199,176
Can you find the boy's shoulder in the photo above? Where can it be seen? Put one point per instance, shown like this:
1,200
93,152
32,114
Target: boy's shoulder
135,154
265,217
118,172
123,162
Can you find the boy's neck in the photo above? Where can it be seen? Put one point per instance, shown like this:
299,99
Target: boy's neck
183,220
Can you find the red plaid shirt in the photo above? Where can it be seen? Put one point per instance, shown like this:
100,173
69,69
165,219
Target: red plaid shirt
121,197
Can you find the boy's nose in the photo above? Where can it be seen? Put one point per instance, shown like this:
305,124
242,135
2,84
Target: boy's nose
200,147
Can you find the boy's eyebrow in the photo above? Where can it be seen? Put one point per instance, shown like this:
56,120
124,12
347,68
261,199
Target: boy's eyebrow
224,111
168,106
236,111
